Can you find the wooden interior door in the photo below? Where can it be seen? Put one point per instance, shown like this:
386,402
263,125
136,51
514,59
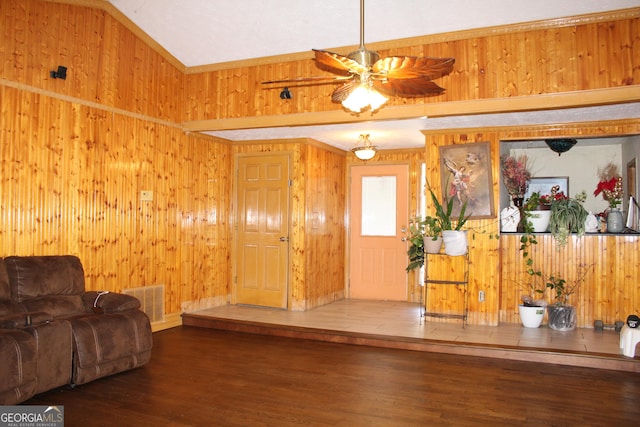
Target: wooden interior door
263,230
379,215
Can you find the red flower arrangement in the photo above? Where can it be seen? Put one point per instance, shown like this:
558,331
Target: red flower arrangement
515,174
539,201
610,185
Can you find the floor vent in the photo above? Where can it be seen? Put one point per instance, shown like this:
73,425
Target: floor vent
152,300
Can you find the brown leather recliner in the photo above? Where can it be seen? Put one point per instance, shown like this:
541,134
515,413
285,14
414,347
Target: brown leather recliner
79,336
35,349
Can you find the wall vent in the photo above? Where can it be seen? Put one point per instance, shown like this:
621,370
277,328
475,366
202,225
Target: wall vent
151,300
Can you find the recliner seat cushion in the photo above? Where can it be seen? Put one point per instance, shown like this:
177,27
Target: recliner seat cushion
109,343
18,352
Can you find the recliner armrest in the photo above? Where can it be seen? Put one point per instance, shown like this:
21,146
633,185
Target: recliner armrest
21,320
99,302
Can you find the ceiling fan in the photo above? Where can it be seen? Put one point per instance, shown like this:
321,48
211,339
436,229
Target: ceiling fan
367,79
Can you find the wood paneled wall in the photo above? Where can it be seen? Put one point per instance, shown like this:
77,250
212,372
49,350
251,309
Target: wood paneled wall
77,152
496,63
317,236
70,183
484,254
106,62
610,291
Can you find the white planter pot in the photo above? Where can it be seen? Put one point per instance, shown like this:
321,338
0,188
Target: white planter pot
455,242
539,220
432,246
531,317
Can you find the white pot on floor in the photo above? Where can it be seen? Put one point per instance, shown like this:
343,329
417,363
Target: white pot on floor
531,316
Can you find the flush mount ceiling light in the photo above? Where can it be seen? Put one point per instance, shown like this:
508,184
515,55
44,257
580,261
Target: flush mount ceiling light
363,149
560,145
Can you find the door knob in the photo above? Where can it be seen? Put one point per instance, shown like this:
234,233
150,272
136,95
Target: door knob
284,239
404,239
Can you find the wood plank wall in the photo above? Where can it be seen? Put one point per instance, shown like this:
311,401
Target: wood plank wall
77,152
70,183
496,63
317,237
484,250
106,63
610,291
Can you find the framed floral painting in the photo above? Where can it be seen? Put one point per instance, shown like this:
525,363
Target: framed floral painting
465,172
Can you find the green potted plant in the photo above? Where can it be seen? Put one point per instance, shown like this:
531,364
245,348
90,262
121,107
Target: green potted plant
562,315
432,235
537,211
568,215
424,236
533,303
455,239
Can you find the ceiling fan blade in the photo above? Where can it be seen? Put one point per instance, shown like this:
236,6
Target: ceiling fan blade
329,79
407,88
412,67
341,93
336,63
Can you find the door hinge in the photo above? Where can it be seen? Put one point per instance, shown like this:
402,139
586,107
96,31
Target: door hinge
290,182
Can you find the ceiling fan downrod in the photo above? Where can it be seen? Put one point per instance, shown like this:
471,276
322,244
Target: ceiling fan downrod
363,56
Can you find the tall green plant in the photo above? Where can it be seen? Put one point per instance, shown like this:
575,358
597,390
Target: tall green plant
444,213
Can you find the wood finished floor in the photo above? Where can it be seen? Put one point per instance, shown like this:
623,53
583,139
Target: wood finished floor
205,377
399,325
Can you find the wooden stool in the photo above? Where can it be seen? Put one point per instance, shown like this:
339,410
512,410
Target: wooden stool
629,337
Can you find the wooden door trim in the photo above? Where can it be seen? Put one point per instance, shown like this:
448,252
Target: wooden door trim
233,221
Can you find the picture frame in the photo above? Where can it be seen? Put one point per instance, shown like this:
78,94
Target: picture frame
543,185
465,173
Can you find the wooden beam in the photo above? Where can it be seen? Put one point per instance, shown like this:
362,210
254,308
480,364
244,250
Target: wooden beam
609,96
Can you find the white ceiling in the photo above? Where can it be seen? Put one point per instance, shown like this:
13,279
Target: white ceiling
203,32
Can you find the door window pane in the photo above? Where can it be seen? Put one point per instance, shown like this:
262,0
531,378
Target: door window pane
379,206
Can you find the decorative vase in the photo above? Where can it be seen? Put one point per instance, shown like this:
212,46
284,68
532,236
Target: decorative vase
455,242
509,219
591,224
432,246
518,202
540,220
531,316
562,317
614,221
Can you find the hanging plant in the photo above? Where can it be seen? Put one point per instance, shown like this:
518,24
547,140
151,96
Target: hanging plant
568,215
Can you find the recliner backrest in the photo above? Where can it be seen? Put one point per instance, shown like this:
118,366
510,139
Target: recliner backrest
53,284
6,305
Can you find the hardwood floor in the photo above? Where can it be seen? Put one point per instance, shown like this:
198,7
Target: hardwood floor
399,325
207,377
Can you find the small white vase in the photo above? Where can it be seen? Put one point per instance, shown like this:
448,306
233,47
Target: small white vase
531,317
591,223
509,219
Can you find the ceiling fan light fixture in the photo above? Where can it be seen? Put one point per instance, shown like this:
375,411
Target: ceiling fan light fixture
366,151
364,97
